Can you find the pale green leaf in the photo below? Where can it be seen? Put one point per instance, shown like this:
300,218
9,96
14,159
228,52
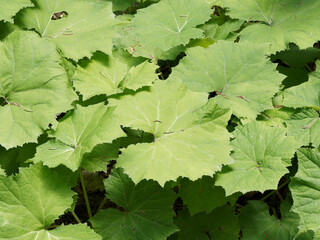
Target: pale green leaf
70,232
241,75
261,155
189,140
77,134
32,200
306,94
203,196
30,81
305,188
170,23
78,28
304,125
221,223
277,22
10,8
257,223
147,210
108,75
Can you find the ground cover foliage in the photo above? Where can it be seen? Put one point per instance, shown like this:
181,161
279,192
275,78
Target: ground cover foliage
160,119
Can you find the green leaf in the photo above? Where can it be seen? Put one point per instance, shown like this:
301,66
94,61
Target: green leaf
32,200
221,223
170,23
77,134
304,126
305,94
240,74
30,81
10,8
277,22
203,196
70,232
189,140
256,223
78,28
108,75
261,155
305,188
146,210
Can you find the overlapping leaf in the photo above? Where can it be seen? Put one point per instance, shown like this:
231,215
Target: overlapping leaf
203,196
10,8
189,140
304,125
261,154
277,22
108,75
78,134
170,23
305,188
258,224
78,28
146,210
240,74
32,200
305,94
30,81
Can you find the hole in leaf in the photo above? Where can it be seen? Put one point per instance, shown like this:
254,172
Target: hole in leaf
59,15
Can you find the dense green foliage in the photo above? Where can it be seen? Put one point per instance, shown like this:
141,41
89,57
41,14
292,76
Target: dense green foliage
160,119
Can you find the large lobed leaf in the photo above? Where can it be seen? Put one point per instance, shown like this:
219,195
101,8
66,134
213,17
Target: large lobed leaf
77,134
104,74
77,27
305,188
170,23
30,81
277,22
146,210
261,155
10,8
240,74
32,200
189,140
258,224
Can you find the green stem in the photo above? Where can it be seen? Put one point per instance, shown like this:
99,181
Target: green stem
75,216
102,203
86,199
308,68
281,186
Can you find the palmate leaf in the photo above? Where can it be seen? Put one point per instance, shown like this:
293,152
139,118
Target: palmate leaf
189,140
241,75
257,223
10,8
108,75
77,134
78,28
304,125
170,23
32,200
279,22
261,155
221,223
30,81
147,210
305,188
121,4
306,94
